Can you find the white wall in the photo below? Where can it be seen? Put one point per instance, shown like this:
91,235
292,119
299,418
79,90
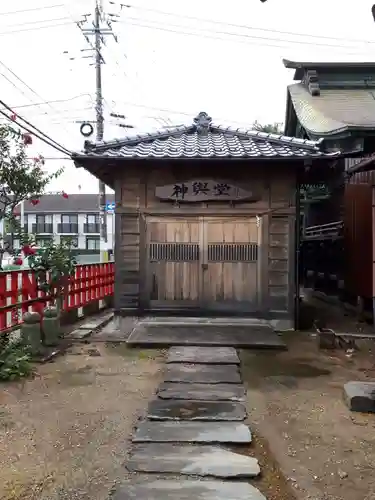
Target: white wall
81,235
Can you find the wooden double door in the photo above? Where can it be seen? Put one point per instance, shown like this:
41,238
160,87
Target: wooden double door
203,262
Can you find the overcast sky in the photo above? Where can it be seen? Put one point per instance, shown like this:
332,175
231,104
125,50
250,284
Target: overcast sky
172,60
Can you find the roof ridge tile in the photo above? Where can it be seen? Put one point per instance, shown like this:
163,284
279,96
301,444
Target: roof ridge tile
204,139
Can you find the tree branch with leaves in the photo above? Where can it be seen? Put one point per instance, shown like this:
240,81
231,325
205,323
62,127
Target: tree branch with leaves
21,179
269,128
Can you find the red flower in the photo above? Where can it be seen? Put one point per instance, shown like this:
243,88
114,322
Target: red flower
28,250
34,202
65,195
27,139
15,316
13,117
18,261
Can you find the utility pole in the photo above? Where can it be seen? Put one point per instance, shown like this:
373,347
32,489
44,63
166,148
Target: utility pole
99,34
100,31
100,133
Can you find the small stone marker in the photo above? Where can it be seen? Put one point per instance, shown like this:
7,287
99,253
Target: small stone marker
166,489
204,374
192,432
360,396
203,392
205,355
196,410
192,460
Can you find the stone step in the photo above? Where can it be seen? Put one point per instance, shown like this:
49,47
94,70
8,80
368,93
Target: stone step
192,432
197,460
202,392
196,410
165,489
205,355
203,374
259,336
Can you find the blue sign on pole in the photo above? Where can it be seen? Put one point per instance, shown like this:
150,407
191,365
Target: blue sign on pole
110,207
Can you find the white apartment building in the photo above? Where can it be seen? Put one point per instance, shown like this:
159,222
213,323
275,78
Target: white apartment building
76,217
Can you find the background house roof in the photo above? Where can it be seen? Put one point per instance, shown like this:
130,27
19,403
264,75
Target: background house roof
334,110
332,98
202,139
302,67
76,203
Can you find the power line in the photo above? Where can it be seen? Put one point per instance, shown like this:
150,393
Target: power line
34,9
50,102
35,134
29,88
244,26
33,126
228,34
39,21
231,34
4,33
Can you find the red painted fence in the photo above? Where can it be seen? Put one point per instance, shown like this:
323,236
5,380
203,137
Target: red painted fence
19,294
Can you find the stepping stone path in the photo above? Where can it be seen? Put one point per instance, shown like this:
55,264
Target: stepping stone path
188,427
205,355
202,374
203,392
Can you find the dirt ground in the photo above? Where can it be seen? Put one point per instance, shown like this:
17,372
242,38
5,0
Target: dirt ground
295,404
64,434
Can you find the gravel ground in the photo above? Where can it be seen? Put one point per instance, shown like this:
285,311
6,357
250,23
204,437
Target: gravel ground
64,435
295,402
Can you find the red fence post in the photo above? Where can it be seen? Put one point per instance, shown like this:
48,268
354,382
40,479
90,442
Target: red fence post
3,300
19,293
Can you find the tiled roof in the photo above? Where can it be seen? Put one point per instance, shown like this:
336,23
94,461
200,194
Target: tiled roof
334,110
203,139
76,203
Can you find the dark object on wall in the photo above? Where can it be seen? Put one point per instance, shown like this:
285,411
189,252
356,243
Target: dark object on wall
86,129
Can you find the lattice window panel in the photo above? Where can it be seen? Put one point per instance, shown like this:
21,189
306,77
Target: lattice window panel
232,252
174,252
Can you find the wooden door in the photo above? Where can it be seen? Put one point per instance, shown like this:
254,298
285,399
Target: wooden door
174,262
230,264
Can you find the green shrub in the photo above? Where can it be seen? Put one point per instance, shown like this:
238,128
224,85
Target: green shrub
15,362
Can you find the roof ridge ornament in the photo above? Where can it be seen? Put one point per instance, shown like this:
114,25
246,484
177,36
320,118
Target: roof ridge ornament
202,122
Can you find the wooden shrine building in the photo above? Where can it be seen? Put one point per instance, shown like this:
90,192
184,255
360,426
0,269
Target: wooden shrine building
206,217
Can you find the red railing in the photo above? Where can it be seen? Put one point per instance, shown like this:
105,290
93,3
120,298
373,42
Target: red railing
19,294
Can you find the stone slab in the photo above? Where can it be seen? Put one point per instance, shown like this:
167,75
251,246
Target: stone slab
205,355
196,410
240,336
165,489
202,320
360,396
192,432
202,392
80,333
97,322
202,374
191,460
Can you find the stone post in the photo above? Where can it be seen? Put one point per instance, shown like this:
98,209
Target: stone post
31,333
51,326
